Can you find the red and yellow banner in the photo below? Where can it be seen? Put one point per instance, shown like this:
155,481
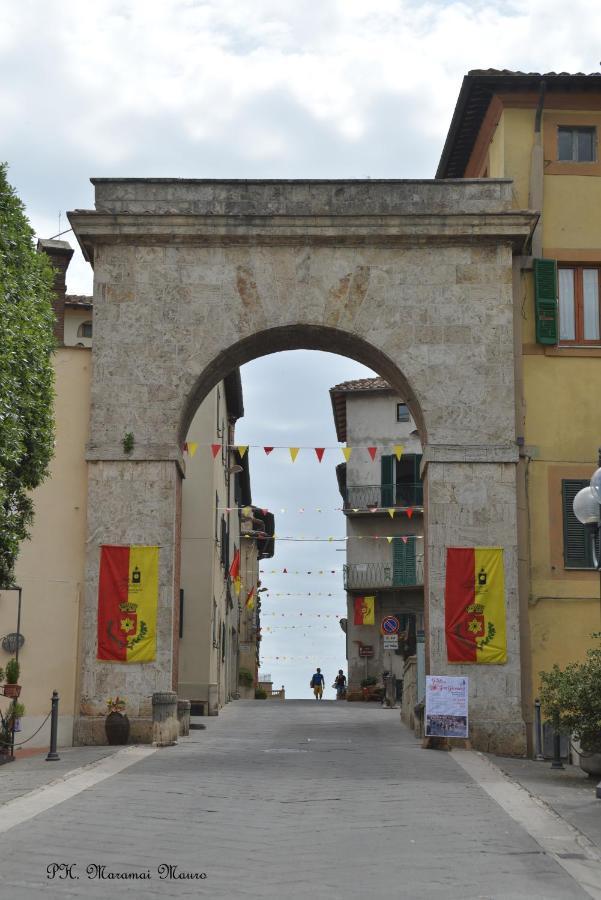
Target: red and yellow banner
364,610
128,593
475,605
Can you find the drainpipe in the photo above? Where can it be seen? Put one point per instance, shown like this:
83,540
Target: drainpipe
537,161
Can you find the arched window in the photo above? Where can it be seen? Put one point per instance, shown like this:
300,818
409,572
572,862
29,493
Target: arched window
85,330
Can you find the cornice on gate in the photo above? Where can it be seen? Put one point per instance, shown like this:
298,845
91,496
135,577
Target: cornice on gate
94,228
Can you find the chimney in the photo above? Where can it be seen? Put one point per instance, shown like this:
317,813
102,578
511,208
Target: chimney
59,253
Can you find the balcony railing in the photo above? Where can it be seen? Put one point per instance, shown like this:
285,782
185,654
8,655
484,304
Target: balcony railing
383,496
406,570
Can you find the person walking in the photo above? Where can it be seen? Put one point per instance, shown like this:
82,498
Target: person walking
340,685
317,683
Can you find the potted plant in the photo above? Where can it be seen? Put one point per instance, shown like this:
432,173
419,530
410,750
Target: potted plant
571,699
12,688
367,686
116,724
15,712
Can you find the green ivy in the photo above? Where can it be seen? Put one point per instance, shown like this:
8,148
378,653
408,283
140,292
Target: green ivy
26,374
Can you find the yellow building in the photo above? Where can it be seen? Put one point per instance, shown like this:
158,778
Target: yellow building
542,131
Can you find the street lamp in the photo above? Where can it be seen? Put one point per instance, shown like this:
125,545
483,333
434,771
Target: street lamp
587,509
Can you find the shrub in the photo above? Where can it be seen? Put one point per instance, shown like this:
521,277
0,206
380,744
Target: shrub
12,672
571,698
246,677
260,694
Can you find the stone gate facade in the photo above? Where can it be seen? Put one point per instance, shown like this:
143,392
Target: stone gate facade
412,278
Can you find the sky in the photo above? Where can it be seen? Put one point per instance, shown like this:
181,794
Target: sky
256,89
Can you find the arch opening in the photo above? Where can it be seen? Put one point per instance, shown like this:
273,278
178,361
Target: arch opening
300,337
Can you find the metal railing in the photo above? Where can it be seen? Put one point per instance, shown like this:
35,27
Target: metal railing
404,572
383,496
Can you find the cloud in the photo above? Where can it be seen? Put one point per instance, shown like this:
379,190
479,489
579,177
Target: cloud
268,88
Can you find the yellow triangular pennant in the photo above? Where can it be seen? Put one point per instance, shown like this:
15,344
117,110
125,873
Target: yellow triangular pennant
242,448
346,451
192,448
389,539
391,513
398,450
293,452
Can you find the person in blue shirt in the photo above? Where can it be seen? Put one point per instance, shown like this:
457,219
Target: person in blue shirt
317,683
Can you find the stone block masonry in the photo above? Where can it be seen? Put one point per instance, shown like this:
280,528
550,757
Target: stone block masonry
193,278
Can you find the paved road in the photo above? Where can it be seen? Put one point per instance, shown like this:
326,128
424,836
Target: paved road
287,800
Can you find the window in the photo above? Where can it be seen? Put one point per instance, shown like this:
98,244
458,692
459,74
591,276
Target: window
402,413
576,144
577,549
579,305
85,330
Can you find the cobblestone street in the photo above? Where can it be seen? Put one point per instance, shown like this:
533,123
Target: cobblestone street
284,800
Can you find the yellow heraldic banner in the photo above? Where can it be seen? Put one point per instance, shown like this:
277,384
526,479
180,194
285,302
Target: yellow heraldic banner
127,603
475,605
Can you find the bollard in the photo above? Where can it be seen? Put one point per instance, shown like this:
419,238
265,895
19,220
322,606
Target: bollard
538,730
557,763
52,754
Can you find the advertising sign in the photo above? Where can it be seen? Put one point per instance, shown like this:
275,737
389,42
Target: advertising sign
446,706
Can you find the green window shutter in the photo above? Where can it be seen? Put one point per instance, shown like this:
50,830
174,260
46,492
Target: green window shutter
577,552
387,481
403,562
545,301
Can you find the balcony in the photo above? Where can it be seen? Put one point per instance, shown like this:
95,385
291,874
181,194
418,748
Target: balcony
382,497
405,570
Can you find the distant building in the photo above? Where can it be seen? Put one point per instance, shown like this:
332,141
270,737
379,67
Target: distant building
383,505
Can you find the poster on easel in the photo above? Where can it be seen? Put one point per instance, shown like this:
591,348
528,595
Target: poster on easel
447,706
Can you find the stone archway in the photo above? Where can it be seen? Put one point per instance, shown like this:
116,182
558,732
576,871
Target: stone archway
192,278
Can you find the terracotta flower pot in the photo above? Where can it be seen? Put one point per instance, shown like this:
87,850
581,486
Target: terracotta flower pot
116,726
12,690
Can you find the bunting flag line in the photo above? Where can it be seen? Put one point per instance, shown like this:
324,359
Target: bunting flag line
128,593
248,510
190,447
475,605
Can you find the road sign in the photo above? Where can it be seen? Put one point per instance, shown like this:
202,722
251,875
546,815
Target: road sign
391,641
366,650
390,625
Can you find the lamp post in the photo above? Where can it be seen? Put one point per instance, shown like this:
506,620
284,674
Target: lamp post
587,509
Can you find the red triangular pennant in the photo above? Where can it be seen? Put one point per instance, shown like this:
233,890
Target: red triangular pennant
372,452
215,448
319,452
267,450
409,512
185,447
